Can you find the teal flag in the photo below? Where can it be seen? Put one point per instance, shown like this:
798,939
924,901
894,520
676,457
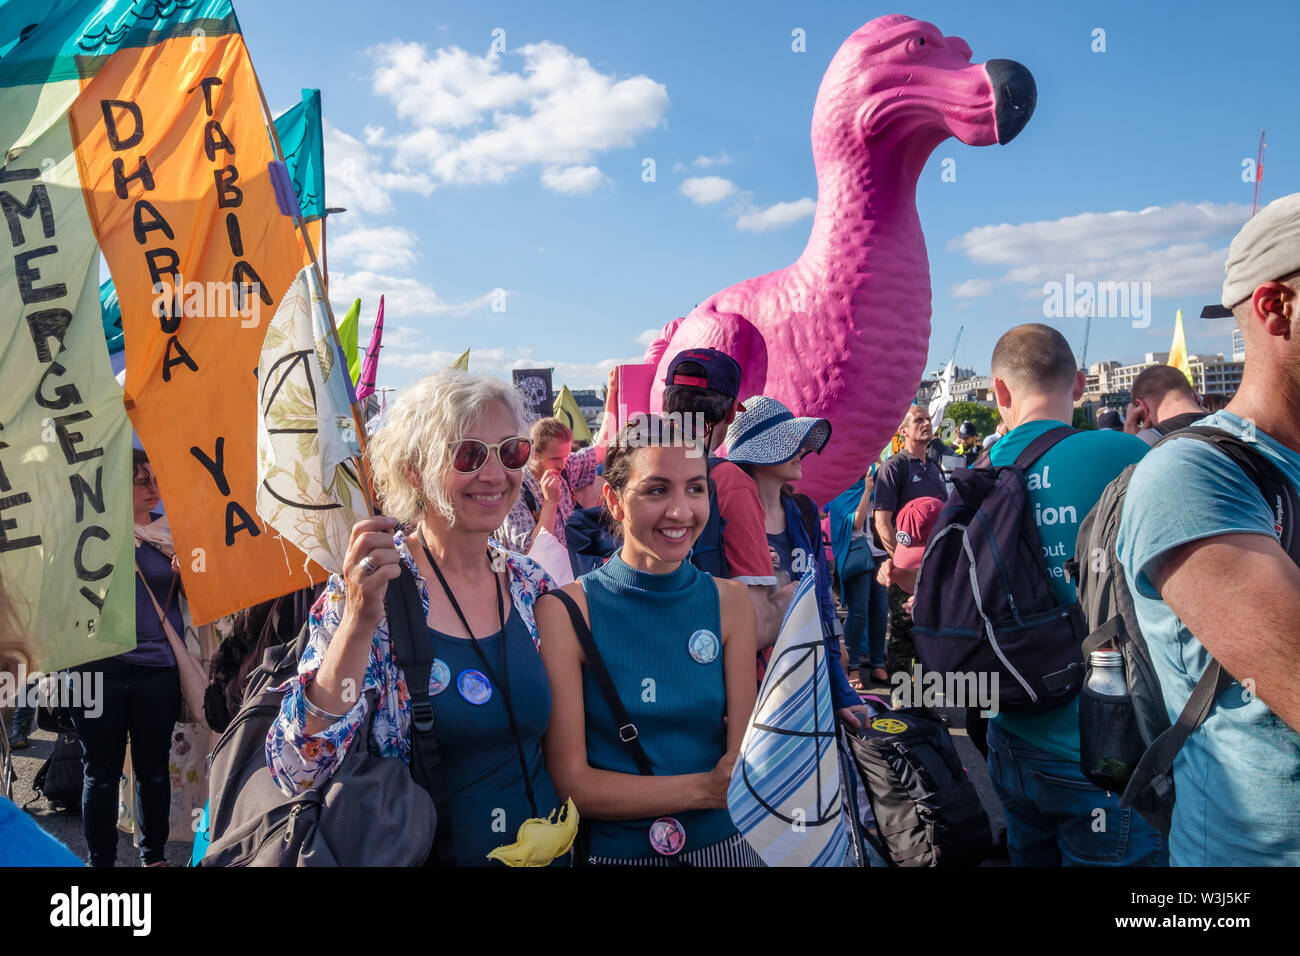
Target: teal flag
304,152
111,313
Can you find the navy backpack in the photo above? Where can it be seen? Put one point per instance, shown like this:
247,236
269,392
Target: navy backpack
984,599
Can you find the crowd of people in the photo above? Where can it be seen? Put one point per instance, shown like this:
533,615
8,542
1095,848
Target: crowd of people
622,684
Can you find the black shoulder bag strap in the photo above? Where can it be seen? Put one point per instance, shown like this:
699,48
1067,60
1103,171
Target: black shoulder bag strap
1282,501
414,651
627,732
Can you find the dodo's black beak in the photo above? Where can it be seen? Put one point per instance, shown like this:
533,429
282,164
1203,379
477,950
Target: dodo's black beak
1014,96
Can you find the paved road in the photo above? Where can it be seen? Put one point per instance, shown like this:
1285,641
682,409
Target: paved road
66,826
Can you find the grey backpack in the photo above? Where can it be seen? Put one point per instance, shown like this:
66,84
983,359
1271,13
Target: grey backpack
1141,743
371,812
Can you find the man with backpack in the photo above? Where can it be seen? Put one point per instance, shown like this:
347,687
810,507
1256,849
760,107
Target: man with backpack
704,384
1163,402
1215,588
1054,814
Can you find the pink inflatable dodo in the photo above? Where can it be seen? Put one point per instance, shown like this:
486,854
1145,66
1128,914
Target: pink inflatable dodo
842,333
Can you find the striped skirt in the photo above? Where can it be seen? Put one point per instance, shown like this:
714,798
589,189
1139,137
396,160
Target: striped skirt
733,851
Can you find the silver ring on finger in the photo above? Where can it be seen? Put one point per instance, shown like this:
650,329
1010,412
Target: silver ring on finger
368,565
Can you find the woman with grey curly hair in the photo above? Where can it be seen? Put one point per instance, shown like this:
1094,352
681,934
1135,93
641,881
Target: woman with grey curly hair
447,467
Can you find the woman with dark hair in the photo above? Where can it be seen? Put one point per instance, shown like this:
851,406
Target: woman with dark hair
650,662
141,697
770,443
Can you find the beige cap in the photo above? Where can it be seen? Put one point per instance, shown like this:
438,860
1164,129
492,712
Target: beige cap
1267,247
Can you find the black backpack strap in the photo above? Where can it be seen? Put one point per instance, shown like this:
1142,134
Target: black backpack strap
1110,631
530,502
1152,771
414,652
627,732
1042,444
808,511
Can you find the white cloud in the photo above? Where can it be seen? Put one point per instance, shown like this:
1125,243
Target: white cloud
704,162
1168,246
403,297
775,216
473,121
703,190
971,289
374,249
648,336
356,178
573,180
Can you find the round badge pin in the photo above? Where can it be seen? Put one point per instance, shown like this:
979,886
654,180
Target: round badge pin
667,836
703,647
474,687
439,676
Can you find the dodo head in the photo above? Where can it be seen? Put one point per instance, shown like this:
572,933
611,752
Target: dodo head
899,77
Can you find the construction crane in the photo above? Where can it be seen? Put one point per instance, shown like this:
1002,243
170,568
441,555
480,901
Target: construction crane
1083,352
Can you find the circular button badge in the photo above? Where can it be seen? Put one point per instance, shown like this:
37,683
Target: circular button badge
474,687
667,836
703,647
439,676
888,725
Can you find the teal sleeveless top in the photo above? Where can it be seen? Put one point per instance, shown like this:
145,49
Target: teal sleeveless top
660,635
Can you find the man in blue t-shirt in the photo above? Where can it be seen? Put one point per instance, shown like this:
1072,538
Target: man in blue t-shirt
1199,548
1054,814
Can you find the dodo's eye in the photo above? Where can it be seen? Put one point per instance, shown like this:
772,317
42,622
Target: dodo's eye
915,46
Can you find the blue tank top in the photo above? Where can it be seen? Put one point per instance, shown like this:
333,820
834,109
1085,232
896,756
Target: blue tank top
485,787
660,635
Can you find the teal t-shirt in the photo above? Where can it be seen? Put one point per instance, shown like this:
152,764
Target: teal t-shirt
1238,775
1064,484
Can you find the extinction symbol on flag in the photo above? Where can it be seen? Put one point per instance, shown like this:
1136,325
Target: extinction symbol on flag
785,795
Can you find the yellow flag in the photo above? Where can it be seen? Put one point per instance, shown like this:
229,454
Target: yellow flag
1178,351
461,363
567,411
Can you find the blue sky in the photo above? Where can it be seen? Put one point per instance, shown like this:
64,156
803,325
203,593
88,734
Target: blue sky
466,171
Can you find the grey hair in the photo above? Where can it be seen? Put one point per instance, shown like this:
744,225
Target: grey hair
416,436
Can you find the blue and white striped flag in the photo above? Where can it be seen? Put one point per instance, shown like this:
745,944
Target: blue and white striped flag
785,795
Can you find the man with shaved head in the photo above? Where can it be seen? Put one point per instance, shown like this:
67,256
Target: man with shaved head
1199,545
1163,402
1051,807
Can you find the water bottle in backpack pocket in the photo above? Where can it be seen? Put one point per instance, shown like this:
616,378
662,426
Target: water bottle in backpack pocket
1109,743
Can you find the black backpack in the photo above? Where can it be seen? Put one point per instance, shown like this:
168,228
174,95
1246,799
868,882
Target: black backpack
927,811
1128,744
708,554
984,600
59,778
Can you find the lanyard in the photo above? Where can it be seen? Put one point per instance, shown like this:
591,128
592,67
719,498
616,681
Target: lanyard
504,685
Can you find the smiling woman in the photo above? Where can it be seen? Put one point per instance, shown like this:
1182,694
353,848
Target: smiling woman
651,668
447,464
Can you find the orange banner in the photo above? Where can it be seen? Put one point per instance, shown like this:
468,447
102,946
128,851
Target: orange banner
173,151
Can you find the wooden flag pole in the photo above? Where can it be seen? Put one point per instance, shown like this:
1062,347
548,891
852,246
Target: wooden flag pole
357,420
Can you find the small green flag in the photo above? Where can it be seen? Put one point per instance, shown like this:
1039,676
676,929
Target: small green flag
348,330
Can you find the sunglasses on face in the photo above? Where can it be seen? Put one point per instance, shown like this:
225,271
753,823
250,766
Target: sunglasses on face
469,454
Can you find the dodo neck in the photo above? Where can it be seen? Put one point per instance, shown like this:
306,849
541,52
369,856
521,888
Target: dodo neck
866,203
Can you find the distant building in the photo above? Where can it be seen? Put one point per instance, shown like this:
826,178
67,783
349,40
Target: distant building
1210,374
591,404
1238,346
